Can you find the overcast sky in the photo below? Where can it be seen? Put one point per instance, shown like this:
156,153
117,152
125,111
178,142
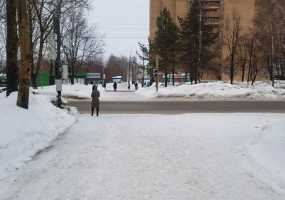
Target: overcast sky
123,22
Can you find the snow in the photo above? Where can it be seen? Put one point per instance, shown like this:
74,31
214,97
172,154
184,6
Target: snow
24,133
203,91
218,91
81,91
178,157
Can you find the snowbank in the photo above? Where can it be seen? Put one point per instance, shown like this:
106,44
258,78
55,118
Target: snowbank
80,91
24,133
218,91
74,91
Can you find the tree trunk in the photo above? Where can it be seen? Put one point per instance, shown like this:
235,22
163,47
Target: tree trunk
72,73
232,67
165,78
196,73
243,72
173,74
24,41
12,47
33,78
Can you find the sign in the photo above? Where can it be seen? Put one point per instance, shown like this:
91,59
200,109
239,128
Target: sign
58,83
64,72
93,75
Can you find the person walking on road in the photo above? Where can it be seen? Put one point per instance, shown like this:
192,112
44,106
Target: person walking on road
95,95
136,85
115,85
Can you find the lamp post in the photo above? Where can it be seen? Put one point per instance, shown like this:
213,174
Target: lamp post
156,72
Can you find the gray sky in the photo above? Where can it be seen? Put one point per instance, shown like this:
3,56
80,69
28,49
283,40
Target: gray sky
123,22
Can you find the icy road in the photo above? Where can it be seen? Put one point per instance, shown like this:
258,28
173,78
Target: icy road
159,157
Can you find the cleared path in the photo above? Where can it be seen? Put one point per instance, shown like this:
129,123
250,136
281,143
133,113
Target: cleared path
199,156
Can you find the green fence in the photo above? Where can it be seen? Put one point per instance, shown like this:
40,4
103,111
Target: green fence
43,79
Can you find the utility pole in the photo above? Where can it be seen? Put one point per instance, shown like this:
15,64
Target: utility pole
156,72
58,64
129,73
143,58
143,72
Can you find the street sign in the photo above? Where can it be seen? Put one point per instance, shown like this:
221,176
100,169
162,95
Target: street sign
64,72
58,83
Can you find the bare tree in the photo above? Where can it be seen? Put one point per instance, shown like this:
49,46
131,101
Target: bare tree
270,29
243,56
232,38
252,57
144,57
44,14
80,42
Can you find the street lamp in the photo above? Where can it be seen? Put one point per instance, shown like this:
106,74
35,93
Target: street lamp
156,72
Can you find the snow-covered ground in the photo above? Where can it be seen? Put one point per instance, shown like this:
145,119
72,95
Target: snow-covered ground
80,91
218,91
203,91
151,157
23,133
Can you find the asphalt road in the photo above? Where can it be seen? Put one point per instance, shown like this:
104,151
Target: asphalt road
180,107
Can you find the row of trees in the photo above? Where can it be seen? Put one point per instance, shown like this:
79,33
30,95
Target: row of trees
55,30
262,47
188,44
127,67
239,54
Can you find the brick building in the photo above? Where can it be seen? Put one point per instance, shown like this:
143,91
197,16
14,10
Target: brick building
217,13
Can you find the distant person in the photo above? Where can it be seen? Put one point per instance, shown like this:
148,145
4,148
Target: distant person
136,85
95,95
115,85
104,84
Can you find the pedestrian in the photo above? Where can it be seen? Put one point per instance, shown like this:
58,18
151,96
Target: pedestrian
136,85
115,85
95,95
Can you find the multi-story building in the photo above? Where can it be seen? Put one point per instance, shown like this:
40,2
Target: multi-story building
216,13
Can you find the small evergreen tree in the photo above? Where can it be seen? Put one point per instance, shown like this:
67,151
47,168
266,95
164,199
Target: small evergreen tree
195,41
165,41
144,56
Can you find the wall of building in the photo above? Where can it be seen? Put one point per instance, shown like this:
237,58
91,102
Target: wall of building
244,8
176,8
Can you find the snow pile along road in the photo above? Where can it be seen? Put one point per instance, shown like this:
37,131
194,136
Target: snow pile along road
80,91
23,133
218,91
74,91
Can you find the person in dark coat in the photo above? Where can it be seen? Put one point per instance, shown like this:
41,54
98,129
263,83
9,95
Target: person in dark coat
95,103
115,85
